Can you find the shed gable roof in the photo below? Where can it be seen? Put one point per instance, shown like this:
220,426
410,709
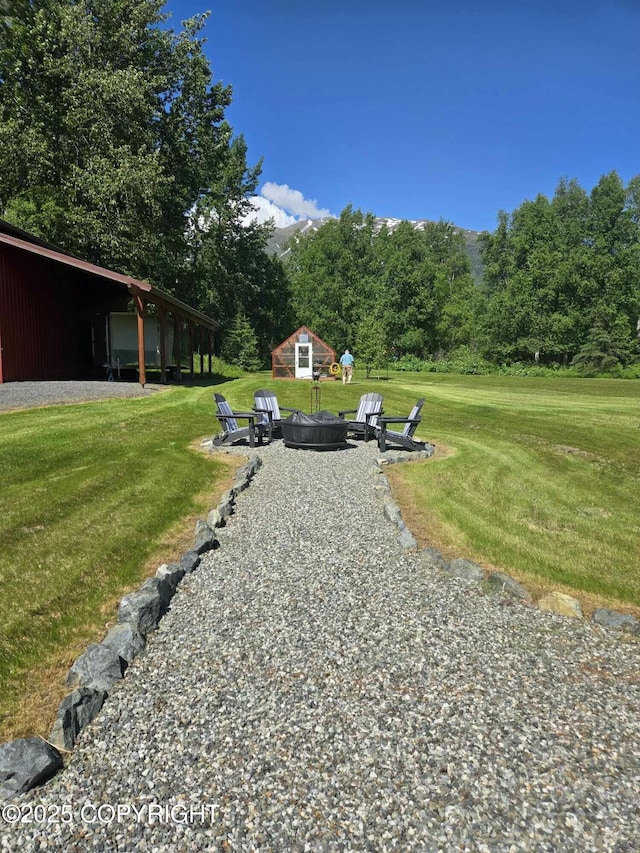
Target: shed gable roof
292,339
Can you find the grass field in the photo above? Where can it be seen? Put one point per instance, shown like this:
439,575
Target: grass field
535,476
91,493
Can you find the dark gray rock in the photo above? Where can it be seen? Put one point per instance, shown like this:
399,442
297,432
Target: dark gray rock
216,519
243,477
391,457
143,609
433,558
97,668
465,570
406,538
239,486
254,463
161,588
125,640
189,561
225,507
25,763
618,621
392,511
498,583
75,712
226,502
204,538
172,573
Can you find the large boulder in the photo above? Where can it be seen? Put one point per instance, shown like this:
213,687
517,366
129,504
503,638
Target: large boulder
25,763
75,712
97,668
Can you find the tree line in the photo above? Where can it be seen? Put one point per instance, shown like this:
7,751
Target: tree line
114,145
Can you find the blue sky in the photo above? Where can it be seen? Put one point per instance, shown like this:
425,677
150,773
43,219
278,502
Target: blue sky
424,110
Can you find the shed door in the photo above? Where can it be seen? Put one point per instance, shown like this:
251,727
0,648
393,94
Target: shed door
304,368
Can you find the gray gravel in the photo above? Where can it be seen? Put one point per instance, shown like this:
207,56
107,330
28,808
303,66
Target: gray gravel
315,687
22,395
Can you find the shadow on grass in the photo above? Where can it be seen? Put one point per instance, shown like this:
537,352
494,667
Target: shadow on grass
186,382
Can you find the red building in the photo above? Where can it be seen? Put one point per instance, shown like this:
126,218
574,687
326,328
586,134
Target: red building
57,314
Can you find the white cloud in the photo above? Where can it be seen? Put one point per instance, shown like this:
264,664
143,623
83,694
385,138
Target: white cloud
264,210
293,201
284,205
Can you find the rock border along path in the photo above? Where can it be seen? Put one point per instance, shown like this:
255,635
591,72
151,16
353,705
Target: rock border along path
318,684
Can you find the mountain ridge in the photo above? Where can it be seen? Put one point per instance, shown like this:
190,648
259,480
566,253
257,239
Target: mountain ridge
277,243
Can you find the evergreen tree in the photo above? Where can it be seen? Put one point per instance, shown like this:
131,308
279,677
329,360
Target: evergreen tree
240,345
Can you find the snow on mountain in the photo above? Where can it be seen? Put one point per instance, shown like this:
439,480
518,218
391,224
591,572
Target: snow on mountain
278,243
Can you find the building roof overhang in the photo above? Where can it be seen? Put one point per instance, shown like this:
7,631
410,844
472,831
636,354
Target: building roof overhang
26,243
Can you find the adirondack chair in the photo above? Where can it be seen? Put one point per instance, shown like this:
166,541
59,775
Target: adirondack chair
231,431
265,405
405,438
366,415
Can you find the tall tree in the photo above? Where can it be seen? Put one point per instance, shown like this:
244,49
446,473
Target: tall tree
112,131
558,272
332,277
408,289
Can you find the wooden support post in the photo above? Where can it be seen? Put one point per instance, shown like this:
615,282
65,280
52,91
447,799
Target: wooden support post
140,306
162,316
178,347
201,348
209,349
190,350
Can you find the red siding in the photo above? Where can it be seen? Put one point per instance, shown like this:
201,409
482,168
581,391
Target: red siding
37,324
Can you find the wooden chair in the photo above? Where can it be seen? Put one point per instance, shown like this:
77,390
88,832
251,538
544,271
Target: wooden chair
265,404
405,438
366,415
231,431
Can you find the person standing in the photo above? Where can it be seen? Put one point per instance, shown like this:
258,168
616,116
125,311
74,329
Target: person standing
346,362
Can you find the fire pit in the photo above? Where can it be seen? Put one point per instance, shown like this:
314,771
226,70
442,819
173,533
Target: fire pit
321,431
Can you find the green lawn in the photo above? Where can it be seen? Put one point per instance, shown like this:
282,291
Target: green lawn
88,493
540,480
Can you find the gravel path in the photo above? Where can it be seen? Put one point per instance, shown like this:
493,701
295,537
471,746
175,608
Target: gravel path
315,687
23,395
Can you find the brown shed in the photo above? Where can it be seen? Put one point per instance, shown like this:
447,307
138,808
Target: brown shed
296,357
59,315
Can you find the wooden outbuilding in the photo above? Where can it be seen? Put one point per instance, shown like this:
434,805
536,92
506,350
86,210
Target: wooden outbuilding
64,318
300,354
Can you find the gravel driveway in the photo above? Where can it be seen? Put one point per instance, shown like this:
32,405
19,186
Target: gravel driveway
315,687
23,395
